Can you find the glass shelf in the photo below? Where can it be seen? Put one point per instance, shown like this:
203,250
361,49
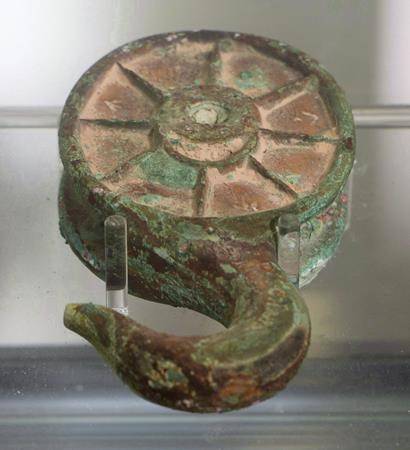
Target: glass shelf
353,390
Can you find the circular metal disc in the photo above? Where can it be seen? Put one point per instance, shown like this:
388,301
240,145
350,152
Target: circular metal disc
210,124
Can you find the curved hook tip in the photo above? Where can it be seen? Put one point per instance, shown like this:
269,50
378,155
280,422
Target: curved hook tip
248,362
89,321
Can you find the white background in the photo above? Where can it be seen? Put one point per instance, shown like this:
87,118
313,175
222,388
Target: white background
45,45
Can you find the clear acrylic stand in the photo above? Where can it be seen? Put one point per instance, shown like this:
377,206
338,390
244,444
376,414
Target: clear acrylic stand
116,263
288,246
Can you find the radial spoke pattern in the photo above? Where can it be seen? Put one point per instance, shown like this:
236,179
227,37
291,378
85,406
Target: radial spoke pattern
108,148
214,65
177,63
240,66
274,176
142,124
288,93
300,139
295,143
140,83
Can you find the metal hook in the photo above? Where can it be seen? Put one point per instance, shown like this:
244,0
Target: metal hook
200,169
266,339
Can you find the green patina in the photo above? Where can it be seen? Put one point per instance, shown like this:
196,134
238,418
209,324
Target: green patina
250,79
188,231
227,268
150,198
219,266
159,167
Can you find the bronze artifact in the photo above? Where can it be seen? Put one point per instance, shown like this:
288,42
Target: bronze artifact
202,141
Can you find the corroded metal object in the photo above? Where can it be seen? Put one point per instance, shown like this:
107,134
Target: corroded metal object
202,140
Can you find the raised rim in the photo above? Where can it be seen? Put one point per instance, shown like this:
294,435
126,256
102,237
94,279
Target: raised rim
305,207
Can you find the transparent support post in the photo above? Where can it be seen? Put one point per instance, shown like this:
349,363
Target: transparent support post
116,263
288,246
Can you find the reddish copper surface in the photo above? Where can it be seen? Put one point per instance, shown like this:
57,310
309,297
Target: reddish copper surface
207,127
192,130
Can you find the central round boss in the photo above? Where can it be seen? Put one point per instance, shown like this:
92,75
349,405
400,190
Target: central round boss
221,117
